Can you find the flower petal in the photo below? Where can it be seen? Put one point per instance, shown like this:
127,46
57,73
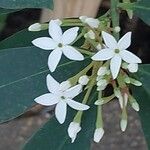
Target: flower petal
45,43
115,64
61,111
54,59
76,105
70,35
125,41
109,40
73,92
46,99
103,54
129,57
55,31
52,85
71,53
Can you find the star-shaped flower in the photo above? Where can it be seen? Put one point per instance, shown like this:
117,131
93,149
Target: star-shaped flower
61,96
59,43
116,51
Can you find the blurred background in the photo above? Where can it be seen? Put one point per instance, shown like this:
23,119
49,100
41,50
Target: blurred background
13,134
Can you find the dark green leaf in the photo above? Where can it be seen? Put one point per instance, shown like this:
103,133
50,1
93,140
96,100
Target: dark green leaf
7,11
22,78
21,39
20,4
142,10
23,71
143,96
53,136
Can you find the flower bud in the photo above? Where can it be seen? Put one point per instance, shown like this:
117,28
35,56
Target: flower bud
133,68
127,80
83,18
117,29
135,82
135,106
102,71
98,134
99,47
123,124
134,103
73,130
99,102
35,27
90,35
102,84
93,23
125,65
83,80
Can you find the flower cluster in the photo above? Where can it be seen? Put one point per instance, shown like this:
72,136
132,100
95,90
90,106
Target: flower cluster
111,64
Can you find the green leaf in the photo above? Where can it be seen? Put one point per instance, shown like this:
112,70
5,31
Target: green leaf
7,11
21,39
22,78
142,10
53,136
142,94
20,4
23,72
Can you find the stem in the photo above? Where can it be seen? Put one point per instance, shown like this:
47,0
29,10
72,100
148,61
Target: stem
78,116
83,51
75,78
115,16
99,120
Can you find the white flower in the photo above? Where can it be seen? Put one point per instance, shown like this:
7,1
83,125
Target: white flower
83,80
73,130
35,27
116,52
59,43
61,97
92,22
133,67
90,34
65,85
98,134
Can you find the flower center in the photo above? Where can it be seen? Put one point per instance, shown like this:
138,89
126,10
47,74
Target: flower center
60,45
62,97
117,51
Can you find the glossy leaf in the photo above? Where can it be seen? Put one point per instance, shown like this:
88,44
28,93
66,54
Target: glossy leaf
21,39
20,4
143,96
23,71
22,78
55,135
142,10
7,11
